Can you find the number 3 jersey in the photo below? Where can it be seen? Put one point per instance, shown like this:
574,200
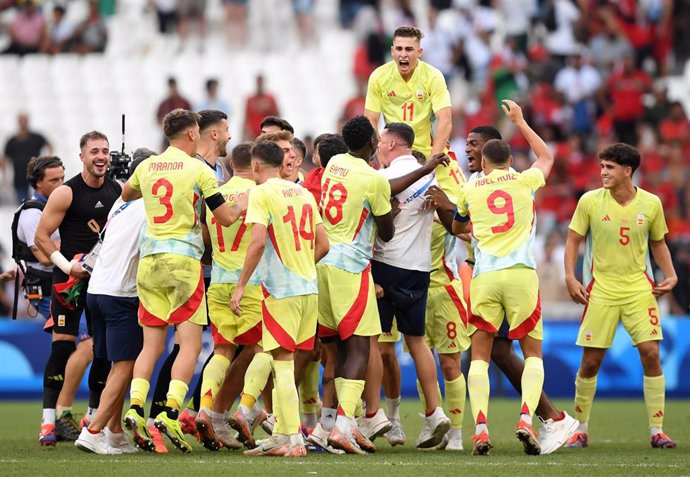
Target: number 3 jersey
501,208
616,265
290,215
173,186
352,193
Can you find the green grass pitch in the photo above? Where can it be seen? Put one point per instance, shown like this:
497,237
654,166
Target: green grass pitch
619,446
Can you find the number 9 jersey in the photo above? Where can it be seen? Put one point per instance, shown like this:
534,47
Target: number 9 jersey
173,186
352,193
502,210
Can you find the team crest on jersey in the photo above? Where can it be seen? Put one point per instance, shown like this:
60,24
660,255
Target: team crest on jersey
640,219
420,95
588,336
391,93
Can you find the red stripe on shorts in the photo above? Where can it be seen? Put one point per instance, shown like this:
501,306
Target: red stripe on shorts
482,324
250,337
181,314
279,334
350,321
149,319
326,332
528,325
218,339
308,344
458,303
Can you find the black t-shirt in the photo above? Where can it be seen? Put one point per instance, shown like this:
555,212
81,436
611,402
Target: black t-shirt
87,215
20,152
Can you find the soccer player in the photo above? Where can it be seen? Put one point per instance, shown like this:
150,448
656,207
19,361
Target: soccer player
117,336
504,280
621,223
411,91
169,279
287,215
79,209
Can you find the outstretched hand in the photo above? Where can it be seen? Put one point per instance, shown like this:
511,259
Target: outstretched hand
512,110
436,160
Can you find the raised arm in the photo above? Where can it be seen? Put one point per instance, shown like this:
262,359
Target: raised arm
544,160
444,124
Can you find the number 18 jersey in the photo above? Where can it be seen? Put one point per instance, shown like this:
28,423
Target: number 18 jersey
501,208
173,186
352,193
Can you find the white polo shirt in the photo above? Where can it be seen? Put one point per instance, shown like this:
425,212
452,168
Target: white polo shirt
410,247
115,271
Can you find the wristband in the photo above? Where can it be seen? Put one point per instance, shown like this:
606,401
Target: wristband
61,262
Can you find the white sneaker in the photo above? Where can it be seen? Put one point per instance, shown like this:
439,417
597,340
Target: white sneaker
319,437
454,437
435,427
96,443
225,434
554,434
373,427
119,441
396,436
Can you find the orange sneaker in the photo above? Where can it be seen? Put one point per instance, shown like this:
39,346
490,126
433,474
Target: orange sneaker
159,445
529,438
364,443
579,440
188,425
238,422
662,441
47,435
482,444
345,442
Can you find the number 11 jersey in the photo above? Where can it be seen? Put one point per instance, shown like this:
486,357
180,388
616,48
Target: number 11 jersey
173,186
501,208
352,193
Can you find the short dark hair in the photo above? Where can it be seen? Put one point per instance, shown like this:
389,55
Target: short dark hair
357,132
36,169
622,154
210,82
402,131
241,155
319,138
209,117
298,145
275,121
172,81
139,156
91,136
177,121
496,151
330,145
487,132
420,156
60,9
408,31
269,153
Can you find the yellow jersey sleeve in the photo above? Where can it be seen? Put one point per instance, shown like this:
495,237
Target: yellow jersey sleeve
534,178
658,228
206,180
440,96
134,181
373,99
463,209
379,196
258,211
580,221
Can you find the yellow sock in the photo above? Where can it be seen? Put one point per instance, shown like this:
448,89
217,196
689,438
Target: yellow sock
422,399
455,400
255,378
176,394
213,378
532,384
309,388
286,396
584,397
654,399
350,392
478,384
138,392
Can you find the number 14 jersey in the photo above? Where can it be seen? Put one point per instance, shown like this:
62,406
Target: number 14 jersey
352,193
501,208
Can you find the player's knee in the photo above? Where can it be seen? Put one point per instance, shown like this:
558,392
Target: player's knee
650,356
589,367
450,366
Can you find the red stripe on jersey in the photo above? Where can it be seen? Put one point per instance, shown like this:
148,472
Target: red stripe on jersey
264,291
649,279
534,215
250,337
362,218
272,236
279,334
528,325
350,321
458,303
448,271
481,324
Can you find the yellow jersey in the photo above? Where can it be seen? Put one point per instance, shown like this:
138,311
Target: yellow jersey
352,193
444,266
414,102
501,208
290,215
173,186
616,266
230,243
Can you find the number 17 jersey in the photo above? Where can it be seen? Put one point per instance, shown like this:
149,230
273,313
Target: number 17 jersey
352,193
501,208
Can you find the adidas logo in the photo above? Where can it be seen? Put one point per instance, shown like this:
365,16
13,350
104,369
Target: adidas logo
455,411
452,345
606,218
578,409
659,414
98,205
309,401
654,332
391,94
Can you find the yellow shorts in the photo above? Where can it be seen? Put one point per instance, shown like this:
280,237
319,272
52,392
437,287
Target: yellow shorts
513,293
640,319
227,327
393,336
289,323
171,290
347,303
446,319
